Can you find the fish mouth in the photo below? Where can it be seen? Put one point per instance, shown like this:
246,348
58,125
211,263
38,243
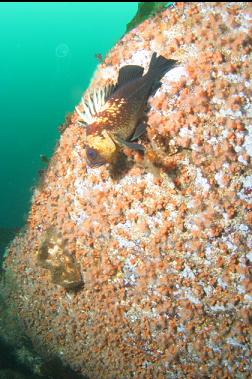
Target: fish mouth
95,164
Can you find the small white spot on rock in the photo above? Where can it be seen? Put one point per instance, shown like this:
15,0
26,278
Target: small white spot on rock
201,181
249,256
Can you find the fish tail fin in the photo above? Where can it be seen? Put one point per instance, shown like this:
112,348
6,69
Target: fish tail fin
159,66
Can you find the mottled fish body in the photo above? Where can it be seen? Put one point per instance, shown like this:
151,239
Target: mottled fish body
115,124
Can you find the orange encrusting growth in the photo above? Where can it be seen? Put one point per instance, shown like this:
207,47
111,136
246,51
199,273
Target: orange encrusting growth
164,250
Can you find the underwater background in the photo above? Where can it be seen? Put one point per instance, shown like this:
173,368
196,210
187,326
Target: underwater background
48,55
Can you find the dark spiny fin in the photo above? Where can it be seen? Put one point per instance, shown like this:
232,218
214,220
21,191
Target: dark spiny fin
159,66
140,130
93,102
128,73
131,145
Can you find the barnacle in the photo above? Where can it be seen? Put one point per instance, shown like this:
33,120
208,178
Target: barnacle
54,256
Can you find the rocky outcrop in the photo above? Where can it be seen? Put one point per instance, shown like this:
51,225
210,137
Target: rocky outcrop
163,242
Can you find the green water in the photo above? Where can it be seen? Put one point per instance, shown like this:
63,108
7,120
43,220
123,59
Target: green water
47,59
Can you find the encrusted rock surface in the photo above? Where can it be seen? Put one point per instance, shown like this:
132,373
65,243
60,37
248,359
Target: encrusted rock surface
164,246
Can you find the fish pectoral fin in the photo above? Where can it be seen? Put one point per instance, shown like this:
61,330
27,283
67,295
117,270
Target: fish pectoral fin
131,145
129,72
139,131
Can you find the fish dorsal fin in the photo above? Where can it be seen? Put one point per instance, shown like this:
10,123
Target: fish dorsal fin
127,73
92,103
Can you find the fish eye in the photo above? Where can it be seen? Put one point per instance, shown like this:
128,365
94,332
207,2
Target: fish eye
93,157
91,153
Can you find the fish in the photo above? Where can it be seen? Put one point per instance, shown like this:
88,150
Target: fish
112,114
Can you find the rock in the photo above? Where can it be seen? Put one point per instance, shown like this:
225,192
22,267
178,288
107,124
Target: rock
163,243
11,374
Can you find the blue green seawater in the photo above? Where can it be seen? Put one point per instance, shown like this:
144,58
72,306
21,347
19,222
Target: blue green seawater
47,55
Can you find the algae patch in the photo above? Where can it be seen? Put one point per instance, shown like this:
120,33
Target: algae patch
146,10
54,256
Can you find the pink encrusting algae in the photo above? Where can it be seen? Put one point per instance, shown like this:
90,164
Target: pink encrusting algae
164,249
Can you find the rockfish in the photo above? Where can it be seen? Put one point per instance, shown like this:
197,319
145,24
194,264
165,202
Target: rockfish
112,114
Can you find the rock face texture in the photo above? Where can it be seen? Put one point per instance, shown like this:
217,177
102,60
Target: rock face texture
142,270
